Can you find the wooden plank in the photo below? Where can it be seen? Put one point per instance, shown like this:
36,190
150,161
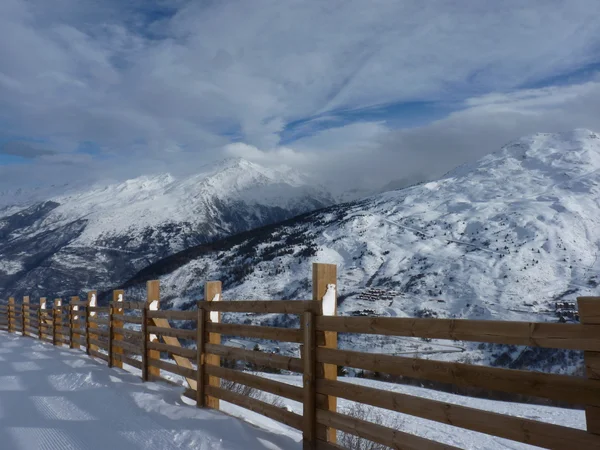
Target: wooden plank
97,354
515,428
201,375
125,359
127,305
124,345
588,308
533,334
173,332
73,322
589,313
127,318
117,305
173,349
111,336
11,314
173,368
55,318
129,332
574,390
98,344
173,315
100,332
145,339
99,309
153,303
213,292
252,331
99,321
324,275
25,313
265,359
257,382
261,306
272,412
377,433
78,303
309,397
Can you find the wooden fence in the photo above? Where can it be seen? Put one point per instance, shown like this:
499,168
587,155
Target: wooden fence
136,333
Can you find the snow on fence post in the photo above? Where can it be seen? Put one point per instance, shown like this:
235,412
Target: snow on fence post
200,356
74,320
324,279
89,325
589,313
116,350
56,319
213,290
25,315
41,317
11,314
153,304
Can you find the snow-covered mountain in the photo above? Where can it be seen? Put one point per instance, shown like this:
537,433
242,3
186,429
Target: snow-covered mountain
100,236
502,238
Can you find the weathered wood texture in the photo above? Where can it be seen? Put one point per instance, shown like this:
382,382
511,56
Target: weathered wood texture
547,335
515,428
153,303
575,390
322,276
589,312
212,296
117,305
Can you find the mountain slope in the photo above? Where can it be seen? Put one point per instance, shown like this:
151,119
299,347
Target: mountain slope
503,238
98,237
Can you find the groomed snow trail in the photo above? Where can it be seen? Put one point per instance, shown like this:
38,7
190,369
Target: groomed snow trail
59,399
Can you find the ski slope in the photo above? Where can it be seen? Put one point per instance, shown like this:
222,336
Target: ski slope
57,398
60,399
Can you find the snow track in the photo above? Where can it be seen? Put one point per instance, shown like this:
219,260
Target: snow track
60,399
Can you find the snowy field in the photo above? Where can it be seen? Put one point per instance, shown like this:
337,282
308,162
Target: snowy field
56,398
60,399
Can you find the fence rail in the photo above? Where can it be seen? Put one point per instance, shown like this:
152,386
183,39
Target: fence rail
137,333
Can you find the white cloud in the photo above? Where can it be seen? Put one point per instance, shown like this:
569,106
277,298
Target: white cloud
169,93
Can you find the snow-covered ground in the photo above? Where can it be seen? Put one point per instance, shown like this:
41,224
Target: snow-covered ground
60,399
56,398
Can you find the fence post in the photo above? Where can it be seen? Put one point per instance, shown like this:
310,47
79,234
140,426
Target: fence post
589,313
324,281
56,318
153,304
212,292
91,303
145,343
200,356
74,320
11,314
116,350
110,335
25,315
41,317
309,431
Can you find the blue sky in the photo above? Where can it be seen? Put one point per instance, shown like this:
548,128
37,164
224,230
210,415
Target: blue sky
368,91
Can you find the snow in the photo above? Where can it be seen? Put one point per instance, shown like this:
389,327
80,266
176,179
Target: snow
502,238
329,301
214,315
153,200
56,398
